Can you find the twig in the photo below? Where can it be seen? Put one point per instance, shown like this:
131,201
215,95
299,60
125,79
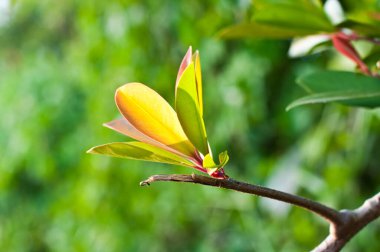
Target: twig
354,221
331,215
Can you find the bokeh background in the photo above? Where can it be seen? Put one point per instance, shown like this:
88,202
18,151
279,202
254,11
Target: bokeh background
60,63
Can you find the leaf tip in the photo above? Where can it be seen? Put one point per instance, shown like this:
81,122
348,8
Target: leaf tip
223,33
289,107
91,151
293,105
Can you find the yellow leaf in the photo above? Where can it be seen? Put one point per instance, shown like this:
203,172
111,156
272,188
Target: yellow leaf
124,127
149,113
198,79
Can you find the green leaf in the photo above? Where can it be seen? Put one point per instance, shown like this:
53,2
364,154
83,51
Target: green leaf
347,98
299,14
347,88
361,17
373,57
362,27
262,31
139,151
223,159
281,19
188,109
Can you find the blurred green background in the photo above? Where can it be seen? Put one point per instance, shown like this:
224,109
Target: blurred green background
60,63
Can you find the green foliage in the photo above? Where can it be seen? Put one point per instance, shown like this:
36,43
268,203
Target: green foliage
302,17
297,14
282,19
362,16
343,87
273,19
262,31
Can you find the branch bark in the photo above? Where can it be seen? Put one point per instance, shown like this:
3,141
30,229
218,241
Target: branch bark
344,224
331,215
353,222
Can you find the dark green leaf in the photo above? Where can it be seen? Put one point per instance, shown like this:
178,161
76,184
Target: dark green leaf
304,14
347,88
262,31
361,16
362,27
364,99
373,57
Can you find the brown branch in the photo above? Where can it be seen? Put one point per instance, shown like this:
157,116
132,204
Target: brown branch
353,222
344,224
332,215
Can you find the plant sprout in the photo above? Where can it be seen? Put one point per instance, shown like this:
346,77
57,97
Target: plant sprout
163,134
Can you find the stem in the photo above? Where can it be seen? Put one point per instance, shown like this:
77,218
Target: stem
331,215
